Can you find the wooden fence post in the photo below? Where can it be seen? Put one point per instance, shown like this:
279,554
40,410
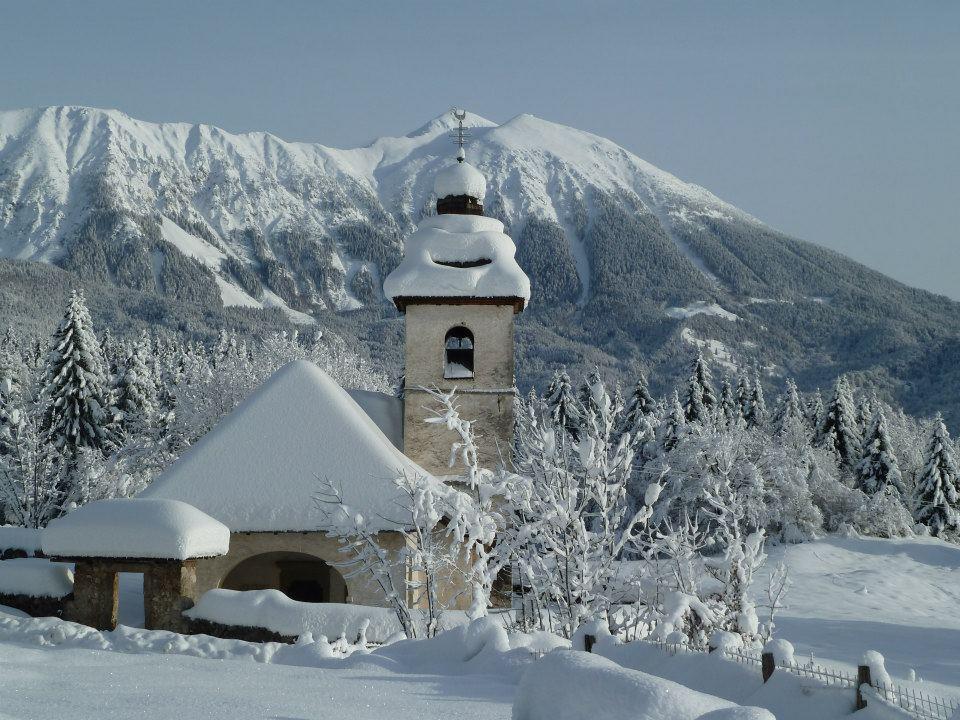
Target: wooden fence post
767,665
863,678
588,642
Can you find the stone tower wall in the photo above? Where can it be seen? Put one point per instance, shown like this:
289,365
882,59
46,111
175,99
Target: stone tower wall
486,399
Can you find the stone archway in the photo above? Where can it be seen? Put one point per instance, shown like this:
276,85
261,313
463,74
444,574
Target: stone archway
300,576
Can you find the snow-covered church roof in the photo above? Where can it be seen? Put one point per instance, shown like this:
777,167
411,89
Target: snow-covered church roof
260,468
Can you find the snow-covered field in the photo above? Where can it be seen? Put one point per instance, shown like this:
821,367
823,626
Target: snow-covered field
849,595
84,684
900,597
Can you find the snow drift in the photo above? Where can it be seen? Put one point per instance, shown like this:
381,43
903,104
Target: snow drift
572,685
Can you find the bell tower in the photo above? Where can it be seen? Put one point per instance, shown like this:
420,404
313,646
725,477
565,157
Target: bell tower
459,288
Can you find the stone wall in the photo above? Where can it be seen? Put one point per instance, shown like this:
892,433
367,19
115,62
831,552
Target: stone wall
486,399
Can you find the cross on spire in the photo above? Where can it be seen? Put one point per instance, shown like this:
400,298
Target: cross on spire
460,135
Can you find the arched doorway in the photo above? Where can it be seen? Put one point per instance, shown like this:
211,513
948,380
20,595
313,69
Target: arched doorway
297,575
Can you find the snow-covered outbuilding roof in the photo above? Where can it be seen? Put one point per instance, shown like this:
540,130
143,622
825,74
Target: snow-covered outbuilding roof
458,256
461,178
260,468
136,528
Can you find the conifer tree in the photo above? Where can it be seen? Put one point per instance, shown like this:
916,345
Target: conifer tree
744,392
638,413
756,413
814,410
673,425
838,429
137,393
936,498
878,467
75,396
729,408
700,400
11,371
565,409
790,415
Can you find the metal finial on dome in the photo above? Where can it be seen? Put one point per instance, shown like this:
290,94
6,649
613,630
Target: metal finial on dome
460,135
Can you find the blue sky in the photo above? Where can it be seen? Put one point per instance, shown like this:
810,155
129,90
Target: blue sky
836,122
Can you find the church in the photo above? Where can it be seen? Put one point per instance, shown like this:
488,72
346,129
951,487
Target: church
258,471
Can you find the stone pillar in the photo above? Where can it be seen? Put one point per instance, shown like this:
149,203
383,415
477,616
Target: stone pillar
95,596
169,588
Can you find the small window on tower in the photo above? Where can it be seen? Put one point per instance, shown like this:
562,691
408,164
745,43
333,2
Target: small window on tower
459,354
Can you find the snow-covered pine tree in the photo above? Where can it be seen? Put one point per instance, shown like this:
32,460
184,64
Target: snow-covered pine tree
789,417
814,411
673,425
756,413
936,499
837,431
638,411
565,409
729,407
136,394
75,398
744,392
700,400
11,372
878,467
865,413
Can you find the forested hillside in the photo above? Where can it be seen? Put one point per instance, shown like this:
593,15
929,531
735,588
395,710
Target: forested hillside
192,227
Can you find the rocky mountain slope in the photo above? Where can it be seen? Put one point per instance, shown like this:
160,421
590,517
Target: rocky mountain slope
630,266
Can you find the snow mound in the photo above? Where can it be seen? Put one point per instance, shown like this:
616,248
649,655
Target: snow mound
461,178
458,256
136,528
782,651
260,468
571,685
35,577
19,538
273,610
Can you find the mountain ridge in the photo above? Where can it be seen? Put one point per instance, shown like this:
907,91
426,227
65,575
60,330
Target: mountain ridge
631,266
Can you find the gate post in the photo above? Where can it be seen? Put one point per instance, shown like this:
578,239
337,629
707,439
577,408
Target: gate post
863,678
767,665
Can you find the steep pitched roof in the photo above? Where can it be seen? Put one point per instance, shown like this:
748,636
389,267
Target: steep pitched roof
258,469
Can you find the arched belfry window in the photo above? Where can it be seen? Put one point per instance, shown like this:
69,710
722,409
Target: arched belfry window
458,353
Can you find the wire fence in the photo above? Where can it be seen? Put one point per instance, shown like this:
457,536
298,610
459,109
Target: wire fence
917,703
831,677
912,700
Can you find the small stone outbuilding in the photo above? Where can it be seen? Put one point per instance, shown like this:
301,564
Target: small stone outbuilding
259,471
162,539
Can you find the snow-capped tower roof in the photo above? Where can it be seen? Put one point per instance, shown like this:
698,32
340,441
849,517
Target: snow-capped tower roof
460,179
459,253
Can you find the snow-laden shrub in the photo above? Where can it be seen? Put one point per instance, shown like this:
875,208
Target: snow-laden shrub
781,650
884,515
726,641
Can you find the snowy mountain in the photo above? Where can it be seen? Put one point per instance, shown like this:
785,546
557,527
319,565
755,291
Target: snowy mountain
629,264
